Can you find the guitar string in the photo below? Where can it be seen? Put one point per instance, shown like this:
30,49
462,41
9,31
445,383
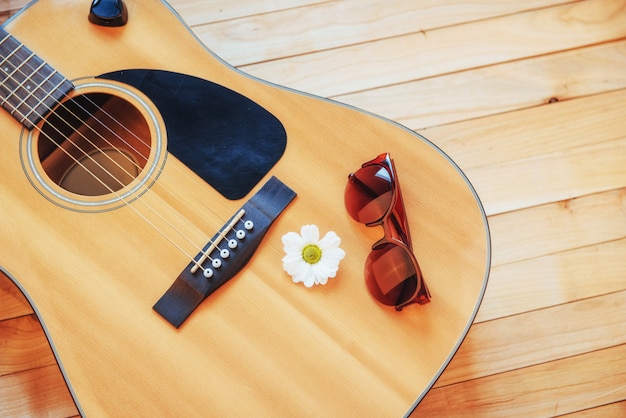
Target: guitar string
19,85
200,249
189,174
115,192
186,173
212,244
99,178
62,105
31,92
138,138
107,171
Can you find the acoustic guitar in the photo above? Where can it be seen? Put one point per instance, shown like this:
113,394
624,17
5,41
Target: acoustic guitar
127,150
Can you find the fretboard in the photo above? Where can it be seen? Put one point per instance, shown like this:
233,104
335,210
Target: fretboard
29,87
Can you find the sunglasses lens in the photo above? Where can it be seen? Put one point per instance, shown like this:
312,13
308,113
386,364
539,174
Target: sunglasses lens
369,194
390,275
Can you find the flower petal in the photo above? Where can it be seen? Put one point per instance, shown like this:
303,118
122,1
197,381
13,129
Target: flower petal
333,258
293,268
322,272
330,240
307,275
292,242
292,256
310,234
298,273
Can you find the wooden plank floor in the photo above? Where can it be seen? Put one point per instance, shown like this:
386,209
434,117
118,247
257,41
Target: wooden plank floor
529,99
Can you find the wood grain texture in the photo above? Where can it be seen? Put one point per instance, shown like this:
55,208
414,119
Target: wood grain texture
528,99
93,273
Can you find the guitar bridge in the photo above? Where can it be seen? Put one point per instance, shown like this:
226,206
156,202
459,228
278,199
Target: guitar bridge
226,253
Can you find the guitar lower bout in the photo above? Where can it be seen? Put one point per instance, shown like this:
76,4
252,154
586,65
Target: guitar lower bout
102,147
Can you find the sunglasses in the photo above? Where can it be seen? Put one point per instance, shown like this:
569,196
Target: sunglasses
373,197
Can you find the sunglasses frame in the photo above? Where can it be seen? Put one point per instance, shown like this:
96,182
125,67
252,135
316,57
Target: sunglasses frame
396,227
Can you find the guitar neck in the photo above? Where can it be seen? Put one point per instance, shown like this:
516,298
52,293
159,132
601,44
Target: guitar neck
29,87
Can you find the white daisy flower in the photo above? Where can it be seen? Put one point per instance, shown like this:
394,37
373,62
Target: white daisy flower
310,260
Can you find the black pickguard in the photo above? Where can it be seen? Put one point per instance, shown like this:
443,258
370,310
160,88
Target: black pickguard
224,137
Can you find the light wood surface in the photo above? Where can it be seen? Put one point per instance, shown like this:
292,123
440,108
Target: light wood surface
528,99
260,345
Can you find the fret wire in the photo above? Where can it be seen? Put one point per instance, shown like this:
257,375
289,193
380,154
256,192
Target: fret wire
22,61
8,57
44,98
24,106
16,69
21,85
7,37
33,90
41,107
32,56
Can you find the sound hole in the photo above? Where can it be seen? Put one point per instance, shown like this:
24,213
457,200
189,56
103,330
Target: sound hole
94,144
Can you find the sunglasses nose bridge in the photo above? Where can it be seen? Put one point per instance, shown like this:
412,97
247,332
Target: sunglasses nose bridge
388,230
379,243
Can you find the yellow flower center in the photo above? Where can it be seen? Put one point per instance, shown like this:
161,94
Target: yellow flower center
311,253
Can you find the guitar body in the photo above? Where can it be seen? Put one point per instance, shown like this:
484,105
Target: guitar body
93,267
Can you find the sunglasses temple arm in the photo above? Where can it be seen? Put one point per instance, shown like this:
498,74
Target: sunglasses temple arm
399,219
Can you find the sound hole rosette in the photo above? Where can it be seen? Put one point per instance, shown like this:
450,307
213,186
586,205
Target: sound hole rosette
101,148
